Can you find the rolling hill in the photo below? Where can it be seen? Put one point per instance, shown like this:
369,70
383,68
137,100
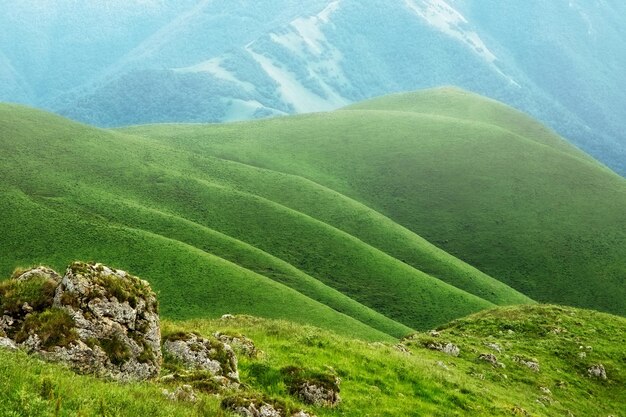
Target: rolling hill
369,221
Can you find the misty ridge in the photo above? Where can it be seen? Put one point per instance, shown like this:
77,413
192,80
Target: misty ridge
117,63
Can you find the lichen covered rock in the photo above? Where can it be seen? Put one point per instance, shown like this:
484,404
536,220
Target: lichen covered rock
240,343
491,358
197,353
252,407
447,348
531,364
319,389
597,371
98,320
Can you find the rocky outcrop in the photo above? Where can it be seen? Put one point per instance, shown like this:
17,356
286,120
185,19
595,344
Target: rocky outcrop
252,407
98,320
259,407
197,353
531,364
597,371
317,389
447,348
491,358
240,343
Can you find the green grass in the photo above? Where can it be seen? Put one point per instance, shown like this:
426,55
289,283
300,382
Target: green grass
376,378
367,222
215,236
34,388
483,182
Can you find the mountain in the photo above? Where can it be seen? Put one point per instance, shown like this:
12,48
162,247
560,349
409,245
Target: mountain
117,63
380,379
399,213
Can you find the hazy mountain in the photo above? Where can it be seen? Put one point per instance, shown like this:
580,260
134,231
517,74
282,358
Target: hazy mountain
115,63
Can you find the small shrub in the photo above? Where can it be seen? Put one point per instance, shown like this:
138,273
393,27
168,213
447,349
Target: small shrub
115,349
295,376
38,292
55,327
47,389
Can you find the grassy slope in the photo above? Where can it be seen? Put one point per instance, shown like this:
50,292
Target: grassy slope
377,380
183,221
478,179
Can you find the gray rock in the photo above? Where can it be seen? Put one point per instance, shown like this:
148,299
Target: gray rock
318,395
494,346
184,393
198,353
239,343
447,348
116,314
597,371
531,364
252,408
7,343
39,272
402,348
109,323
492,359
302,414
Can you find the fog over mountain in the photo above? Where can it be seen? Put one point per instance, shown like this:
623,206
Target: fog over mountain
119,62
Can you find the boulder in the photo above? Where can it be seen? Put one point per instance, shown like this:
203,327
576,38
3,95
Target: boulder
197,353
597,371
7,343
492,359
531,364
494,346
240,343
38,272
319,389
252,407
98,320
184,393
447,348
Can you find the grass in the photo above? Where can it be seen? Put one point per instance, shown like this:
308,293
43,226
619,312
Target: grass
376,378
481,181
37,292
367,222
55,327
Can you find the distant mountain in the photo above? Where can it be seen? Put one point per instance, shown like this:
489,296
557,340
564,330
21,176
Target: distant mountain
117,63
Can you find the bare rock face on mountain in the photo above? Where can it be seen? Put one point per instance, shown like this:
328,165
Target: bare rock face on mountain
99,320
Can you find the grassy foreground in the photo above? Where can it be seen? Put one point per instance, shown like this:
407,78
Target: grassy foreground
377,378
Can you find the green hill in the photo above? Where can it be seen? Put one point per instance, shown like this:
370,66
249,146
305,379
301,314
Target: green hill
476,178
377,379
327,219
215,236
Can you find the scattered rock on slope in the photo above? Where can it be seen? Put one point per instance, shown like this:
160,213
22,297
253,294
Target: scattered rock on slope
317,389
197,353
240,343
97,319
447,348
597,371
